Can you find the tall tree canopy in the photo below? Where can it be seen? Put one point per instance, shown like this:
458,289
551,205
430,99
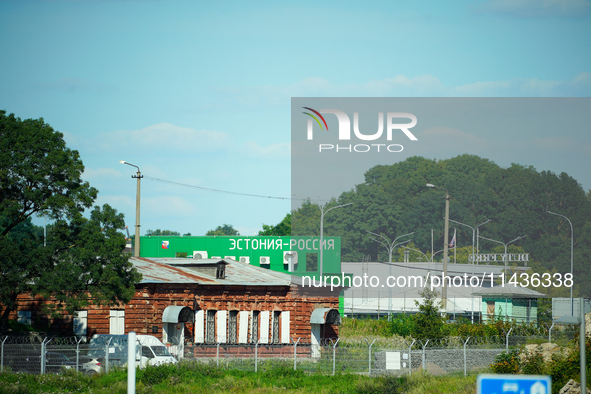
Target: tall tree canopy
162,232
281,229
394,200
226,229
83,257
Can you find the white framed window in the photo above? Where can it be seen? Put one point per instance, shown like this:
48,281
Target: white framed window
210,326
80,323
116,322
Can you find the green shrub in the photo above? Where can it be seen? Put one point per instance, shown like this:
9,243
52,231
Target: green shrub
402,325
533,363
507,362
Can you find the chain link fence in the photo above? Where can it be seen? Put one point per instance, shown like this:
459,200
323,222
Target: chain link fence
38,355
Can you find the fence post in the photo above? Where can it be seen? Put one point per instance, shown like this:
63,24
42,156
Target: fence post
256,356
295,352
371,344
2,355
43,351
107,356
507,336
467,339
78,353
424,359
334,356
217,355
550,333
409,355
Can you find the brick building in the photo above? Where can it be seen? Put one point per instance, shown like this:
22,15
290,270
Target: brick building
208,301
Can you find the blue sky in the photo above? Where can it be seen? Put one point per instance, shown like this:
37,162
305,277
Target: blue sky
199,92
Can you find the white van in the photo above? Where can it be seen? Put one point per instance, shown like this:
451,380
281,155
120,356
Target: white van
153,352
149,350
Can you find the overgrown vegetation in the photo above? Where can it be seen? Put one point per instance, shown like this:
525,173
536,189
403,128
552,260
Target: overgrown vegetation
196,377
407,325
561,368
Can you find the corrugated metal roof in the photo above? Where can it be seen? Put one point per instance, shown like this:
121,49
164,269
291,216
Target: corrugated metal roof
509,291
179,270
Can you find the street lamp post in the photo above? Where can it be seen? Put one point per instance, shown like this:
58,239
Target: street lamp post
473,230
571,255
136,248
322,213
473,255
445,245
390,246
416,250
505,244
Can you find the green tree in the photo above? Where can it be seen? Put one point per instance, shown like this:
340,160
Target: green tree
281,229
226,229
428,323
162,232
83,258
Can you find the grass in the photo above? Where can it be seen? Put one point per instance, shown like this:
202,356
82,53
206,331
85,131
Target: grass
195,377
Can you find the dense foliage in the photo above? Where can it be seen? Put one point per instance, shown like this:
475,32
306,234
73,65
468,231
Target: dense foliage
281,229
394,200
81,257
563,366
226,229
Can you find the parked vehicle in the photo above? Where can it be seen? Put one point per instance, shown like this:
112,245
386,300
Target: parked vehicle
30,362
57,362
91,365
149,350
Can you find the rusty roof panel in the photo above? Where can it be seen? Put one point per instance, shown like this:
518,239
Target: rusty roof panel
179,270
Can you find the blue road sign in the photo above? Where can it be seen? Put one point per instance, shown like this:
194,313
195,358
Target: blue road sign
513,384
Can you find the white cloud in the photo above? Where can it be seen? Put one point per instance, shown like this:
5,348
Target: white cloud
275,151
579,86
163,136
536,8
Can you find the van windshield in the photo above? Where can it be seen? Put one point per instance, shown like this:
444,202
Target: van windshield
160,351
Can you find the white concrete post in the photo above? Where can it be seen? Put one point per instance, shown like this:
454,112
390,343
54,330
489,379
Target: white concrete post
131,339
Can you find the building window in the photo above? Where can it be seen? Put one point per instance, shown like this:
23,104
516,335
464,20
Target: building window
116,322
275,332
490,309
80,323
254,331
24,317
220,272
210,327
233,327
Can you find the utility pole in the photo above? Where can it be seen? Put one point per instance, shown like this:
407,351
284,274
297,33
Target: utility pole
136,248
445,246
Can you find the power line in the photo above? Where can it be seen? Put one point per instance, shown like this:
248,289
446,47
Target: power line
217,190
